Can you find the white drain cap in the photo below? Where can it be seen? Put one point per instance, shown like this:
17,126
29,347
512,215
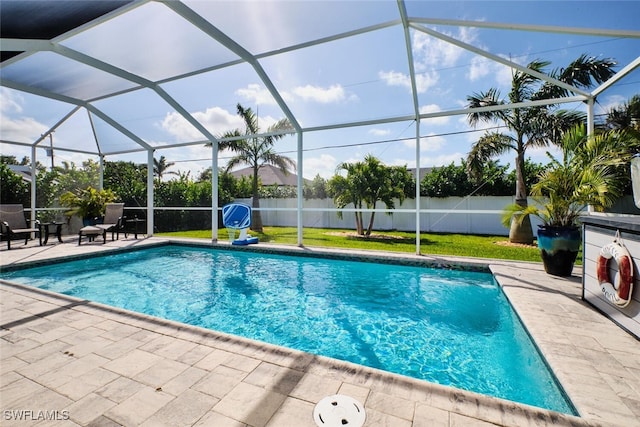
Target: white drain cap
339,411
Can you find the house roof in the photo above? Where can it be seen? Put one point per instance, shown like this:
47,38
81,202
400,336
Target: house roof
423,171
23,172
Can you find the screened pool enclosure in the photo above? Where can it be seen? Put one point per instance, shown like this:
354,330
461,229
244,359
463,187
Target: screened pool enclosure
132,79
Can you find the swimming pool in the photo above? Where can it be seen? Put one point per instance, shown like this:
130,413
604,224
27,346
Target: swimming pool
446,326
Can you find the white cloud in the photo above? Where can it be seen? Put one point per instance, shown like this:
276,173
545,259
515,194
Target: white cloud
609,102
430,52
427,143
434,108
442,160
462,119
216,120
256,94
424,80
480,67
409,163
10,101
15,126
503,75
428,162
325,166
395,78
481,129
178,126
432,143
334,93
379,132
24,129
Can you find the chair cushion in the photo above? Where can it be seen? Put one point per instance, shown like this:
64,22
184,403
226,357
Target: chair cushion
24,230
90,229
107,227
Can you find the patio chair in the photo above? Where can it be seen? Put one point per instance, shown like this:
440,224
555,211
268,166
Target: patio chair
113,221
13,225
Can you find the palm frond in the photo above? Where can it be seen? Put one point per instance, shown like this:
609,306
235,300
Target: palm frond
486,99
548,127
228,145
490,145
249,118
281,162
523,85
587,175
582,73
235,161
281,125
519,212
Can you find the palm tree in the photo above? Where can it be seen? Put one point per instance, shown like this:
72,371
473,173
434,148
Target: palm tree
367,183
257,152
160,167
349,189
587,173
531,126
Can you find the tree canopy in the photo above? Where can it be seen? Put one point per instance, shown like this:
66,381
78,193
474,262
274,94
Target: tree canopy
366,183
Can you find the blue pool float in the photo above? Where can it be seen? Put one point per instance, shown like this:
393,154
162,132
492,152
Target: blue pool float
237,216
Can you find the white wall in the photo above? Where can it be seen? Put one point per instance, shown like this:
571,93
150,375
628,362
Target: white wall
594,239
450,215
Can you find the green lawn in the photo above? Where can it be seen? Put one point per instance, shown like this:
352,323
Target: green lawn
395,241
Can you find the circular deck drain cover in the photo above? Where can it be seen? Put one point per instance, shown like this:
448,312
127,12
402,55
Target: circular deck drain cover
339,411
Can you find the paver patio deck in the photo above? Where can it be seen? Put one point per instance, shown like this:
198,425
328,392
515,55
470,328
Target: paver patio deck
90,364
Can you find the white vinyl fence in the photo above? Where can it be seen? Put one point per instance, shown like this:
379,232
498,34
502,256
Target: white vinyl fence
468,215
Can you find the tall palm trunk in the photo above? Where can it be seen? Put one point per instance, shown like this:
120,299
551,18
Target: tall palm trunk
520,231
256,218
359,221
370,227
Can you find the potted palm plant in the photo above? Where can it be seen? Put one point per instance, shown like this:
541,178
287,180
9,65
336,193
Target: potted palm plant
589,173
89,203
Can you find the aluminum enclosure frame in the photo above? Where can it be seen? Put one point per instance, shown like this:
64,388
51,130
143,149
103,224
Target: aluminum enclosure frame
18,47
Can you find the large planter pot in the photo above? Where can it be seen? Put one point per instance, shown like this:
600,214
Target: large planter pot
91,221
559,247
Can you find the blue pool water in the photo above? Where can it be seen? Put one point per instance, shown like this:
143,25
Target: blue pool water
445,326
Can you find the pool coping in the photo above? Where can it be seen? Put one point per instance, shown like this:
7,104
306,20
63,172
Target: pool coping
511,277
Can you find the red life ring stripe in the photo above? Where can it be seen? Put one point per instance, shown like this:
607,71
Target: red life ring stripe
603,269
625,278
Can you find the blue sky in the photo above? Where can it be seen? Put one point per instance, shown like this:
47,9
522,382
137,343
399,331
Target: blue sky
352,79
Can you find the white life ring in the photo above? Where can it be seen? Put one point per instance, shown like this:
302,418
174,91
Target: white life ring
619,291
